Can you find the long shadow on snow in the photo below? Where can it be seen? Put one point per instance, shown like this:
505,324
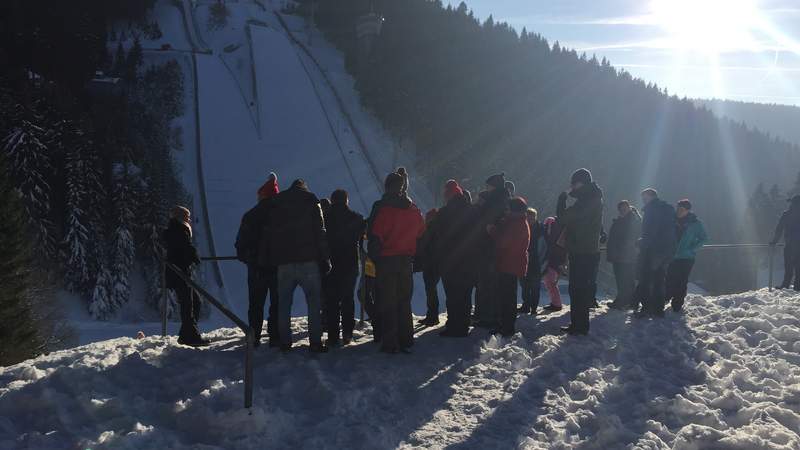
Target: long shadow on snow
61,405
617,339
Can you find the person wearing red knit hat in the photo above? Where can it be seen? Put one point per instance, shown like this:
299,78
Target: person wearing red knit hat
270,188
252,248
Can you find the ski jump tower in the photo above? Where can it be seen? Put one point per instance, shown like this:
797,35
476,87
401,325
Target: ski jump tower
368,27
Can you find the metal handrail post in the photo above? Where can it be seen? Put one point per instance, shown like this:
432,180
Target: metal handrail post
771,264
163,298
248,369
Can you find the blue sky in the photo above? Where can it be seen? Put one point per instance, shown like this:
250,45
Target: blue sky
745,50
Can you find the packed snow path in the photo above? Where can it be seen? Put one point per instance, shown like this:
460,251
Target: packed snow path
726,375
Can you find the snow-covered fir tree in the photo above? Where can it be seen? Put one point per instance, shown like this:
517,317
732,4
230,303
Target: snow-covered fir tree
123,247
29,167
100,306
81,184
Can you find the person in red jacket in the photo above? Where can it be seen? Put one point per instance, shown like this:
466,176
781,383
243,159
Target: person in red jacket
511,239
394,227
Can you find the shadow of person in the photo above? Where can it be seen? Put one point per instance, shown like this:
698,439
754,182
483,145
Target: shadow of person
594,391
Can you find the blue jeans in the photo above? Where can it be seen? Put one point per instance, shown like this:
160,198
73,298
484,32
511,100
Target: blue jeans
307,276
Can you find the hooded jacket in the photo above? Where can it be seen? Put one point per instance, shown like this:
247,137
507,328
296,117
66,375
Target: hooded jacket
583,220
395,226
297,228
512,237
691,236
622,237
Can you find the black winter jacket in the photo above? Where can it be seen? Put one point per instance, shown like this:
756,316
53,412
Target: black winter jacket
297,228
659,237
583,220
345,229
180,251
789,227
456,238
622,237
253,238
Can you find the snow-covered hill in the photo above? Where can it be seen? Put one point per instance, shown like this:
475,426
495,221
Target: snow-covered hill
260,96
726,375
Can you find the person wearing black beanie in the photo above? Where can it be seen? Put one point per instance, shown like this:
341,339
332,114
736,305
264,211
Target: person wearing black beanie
583,221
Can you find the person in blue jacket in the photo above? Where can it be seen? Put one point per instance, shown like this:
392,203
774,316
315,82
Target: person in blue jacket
691,237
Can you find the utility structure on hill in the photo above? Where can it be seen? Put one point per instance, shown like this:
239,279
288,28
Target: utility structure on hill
368,28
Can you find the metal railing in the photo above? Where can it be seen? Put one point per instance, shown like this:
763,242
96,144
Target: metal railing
771,255
248,332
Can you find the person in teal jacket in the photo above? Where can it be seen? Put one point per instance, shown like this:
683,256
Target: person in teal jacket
691,236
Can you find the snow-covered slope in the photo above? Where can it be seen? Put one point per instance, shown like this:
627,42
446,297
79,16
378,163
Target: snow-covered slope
726,375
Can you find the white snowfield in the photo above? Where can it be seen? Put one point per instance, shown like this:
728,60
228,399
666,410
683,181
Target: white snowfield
725,375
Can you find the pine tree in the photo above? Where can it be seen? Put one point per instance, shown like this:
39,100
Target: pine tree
100,306
124,248
29,167
133,61
77,243
19,339
119,60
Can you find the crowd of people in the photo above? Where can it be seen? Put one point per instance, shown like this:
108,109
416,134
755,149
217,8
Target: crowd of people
485,248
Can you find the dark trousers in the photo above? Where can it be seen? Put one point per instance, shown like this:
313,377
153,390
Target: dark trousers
395,286
485,310
340,287
260,284
625,276
582,281
677,281
189,303
431,278
791,266
507,302
458,292
652,288
531,289
369,299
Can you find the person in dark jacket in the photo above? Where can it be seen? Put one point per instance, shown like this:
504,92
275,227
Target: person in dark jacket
182,254
454,240
345,229
493,205
252,248
299,249
621,252
532,281
789,228
583,222
656,251
395,225
430,271
691,235
511,237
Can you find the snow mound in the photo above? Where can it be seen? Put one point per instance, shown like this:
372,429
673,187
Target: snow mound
724,375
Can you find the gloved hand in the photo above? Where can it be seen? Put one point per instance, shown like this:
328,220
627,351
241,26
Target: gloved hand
603,237
773,243
563,196
325,267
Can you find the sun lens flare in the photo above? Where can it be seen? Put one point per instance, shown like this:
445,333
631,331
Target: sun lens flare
709,26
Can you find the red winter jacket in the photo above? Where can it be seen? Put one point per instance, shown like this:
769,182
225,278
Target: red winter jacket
395,226
511,240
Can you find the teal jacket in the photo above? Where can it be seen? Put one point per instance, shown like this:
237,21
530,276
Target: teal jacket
691,237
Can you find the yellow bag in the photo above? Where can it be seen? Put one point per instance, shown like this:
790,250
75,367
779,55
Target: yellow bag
369,268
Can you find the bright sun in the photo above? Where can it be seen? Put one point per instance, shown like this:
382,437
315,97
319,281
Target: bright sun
710,26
